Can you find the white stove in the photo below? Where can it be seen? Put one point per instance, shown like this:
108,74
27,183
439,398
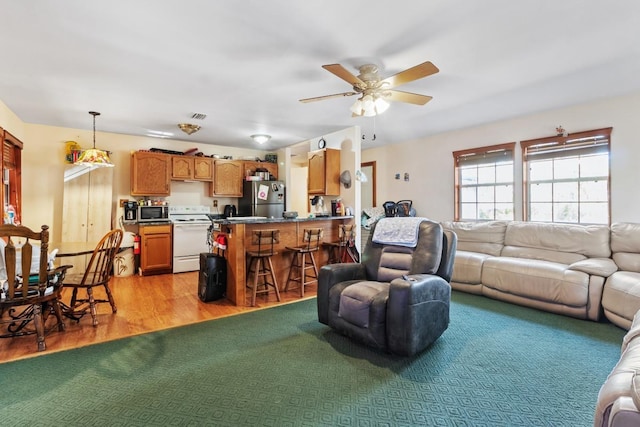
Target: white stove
190,214
190,236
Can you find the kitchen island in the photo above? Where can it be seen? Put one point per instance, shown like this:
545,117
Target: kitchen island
239,232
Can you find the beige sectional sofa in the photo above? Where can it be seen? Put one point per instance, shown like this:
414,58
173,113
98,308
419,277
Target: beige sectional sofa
579,271
560,268
621,297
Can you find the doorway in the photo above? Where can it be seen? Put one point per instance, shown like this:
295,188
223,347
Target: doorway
368,186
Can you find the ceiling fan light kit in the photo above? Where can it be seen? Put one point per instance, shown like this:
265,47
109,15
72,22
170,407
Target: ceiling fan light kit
188,128
376,92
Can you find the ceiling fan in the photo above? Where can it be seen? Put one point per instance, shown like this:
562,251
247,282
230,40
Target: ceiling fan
375,91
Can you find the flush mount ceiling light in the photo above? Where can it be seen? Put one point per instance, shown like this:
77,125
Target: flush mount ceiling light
188,128
94,157
261,138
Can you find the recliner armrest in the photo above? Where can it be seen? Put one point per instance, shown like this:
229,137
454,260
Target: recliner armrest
422,296
329,276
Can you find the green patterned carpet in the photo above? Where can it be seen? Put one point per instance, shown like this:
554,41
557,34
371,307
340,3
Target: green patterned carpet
497,365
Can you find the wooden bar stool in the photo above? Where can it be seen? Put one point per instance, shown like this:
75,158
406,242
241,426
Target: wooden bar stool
340,251
260,265
304,260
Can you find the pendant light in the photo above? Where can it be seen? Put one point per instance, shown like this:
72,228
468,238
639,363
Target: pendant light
94,157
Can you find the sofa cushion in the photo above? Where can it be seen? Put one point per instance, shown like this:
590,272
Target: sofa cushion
621,297
468,267
356,301
483,237
536,279
552,240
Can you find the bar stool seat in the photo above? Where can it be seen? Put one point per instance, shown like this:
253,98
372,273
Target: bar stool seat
304,260
260,264
341,251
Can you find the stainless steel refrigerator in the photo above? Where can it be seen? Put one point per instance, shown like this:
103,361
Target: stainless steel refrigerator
262,198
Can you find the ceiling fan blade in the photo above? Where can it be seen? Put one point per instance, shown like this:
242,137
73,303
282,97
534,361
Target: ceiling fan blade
414,73
336,95
344,74
411,98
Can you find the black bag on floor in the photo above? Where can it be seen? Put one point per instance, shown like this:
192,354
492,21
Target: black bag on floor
212,280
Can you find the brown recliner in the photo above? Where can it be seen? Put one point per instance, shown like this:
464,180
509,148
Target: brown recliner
398,298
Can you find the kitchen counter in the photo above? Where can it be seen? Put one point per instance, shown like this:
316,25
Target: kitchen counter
258,220
240,232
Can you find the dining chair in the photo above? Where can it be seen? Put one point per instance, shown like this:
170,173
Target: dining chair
97,274
27,299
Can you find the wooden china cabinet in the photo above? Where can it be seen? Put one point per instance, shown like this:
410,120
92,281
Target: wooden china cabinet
12,173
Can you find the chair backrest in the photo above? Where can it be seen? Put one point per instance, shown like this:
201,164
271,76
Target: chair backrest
266,239
346,233
18,256
390,208
433,254
312,238
403,208
100,265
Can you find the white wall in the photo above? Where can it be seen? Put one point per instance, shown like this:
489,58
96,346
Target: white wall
429,161
43,168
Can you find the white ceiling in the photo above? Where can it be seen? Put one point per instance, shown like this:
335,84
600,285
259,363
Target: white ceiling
147,65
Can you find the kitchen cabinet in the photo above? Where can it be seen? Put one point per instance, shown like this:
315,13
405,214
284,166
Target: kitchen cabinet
227,179
249,167
12,173
150,174
191,168
156,249
324,172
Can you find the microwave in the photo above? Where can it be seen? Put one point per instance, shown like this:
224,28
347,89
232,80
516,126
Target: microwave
153,213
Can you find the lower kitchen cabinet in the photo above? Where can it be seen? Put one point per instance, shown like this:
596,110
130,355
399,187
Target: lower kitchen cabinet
156,249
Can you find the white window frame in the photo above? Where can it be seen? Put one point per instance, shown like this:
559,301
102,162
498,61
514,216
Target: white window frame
556,148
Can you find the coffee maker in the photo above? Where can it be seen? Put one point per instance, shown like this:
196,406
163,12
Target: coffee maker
130,212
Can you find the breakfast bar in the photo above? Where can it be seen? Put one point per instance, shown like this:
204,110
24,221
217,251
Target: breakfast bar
239,232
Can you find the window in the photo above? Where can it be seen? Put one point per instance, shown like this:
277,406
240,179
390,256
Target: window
484,183
567,178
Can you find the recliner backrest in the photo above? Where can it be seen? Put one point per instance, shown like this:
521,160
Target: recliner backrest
387,262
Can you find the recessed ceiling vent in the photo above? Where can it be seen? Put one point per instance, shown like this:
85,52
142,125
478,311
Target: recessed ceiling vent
199,116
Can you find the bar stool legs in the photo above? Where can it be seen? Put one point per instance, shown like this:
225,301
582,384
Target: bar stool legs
263,269
260,265
302,261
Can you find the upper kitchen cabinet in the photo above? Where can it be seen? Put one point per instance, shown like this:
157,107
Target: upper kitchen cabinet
191,168
150,174
324,172
250,167
227,179
12,173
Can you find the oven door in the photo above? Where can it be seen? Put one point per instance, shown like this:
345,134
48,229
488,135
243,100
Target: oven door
189,240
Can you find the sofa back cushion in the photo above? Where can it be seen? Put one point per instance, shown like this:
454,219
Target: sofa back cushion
484,237
625,245
562,243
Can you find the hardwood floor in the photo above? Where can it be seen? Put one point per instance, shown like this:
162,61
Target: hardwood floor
145,304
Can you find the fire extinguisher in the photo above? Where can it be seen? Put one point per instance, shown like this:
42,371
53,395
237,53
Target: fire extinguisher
136,244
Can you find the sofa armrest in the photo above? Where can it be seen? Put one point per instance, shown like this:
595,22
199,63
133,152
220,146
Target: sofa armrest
624,413
603,267
417,312
330,275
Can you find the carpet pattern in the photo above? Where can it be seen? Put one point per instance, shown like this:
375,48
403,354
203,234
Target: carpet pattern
497,365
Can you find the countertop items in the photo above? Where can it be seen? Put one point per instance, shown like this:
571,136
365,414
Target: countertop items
264,220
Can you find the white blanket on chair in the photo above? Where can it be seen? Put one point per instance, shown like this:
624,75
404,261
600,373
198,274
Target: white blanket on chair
398,231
